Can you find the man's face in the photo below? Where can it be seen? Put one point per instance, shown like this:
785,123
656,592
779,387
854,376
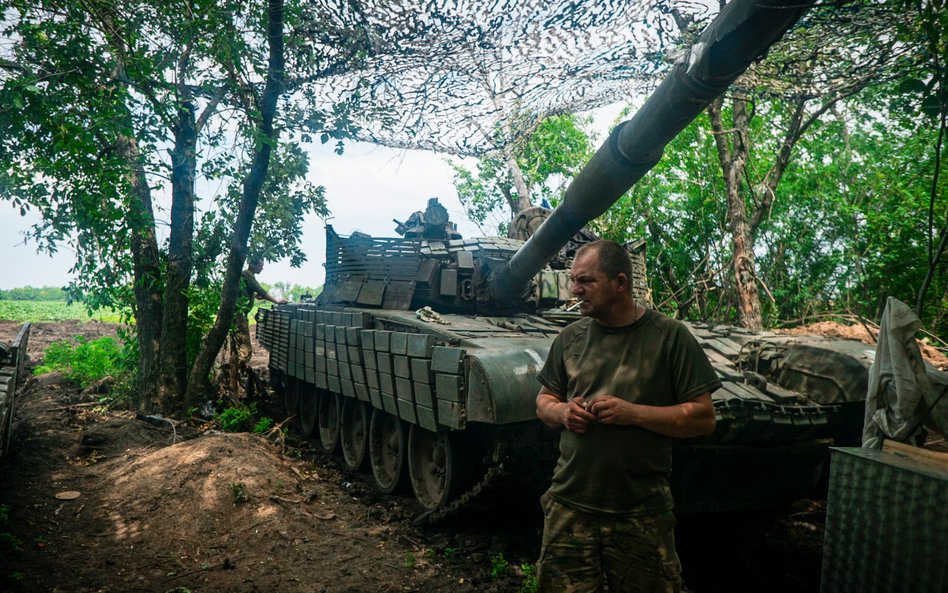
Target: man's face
596,292
256,267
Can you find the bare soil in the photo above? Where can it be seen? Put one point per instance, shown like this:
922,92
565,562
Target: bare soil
867,334
98,501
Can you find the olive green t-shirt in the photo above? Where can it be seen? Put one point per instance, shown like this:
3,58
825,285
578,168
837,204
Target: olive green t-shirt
654,361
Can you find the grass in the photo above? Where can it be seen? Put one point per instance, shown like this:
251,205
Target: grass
83,361
34,311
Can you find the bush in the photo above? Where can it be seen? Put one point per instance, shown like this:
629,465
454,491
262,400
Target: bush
83,361
263,425
237,418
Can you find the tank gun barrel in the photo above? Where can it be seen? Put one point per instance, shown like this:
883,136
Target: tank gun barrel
740,34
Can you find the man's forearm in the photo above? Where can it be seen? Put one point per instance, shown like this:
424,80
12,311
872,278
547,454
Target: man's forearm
685,420
548,410
681,421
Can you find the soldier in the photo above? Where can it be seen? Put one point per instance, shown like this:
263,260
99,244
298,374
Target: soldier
623,381
249,290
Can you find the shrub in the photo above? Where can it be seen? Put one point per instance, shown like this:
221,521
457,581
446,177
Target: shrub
529,584
263,425
237,418
498,565
84,362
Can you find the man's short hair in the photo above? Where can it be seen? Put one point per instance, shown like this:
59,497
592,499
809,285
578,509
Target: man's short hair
613,258
255,260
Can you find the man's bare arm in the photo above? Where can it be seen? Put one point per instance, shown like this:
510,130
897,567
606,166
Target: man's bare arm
555,412
692,418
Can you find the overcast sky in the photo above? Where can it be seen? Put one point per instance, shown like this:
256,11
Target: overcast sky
366,188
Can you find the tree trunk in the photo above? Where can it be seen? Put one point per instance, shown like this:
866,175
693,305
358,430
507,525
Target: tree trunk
934,255
147,274
198,384
174,329
523,192
733,157
146,262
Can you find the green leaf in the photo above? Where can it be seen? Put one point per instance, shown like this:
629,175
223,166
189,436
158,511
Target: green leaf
912,85
932,106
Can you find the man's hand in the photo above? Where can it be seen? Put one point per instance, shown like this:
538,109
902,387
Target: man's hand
576,417
609,409
692,418
556,413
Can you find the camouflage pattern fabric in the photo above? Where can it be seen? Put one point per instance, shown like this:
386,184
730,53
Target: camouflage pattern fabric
241,345
583,550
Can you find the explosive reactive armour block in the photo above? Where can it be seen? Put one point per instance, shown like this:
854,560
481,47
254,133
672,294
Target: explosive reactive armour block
451,414
399,343
406,411
382,340
400,367
421,370
448,387
422,393
420,345
368,339
426,418
375,398
447,360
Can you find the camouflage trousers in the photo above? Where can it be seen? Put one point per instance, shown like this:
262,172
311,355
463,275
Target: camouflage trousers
241,345
583,550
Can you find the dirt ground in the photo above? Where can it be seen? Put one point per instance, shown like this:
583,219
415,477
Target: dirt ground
93,500
97,501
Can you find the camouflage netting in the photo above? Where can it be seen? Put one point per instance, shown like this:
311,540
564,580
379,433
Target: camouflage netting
468,77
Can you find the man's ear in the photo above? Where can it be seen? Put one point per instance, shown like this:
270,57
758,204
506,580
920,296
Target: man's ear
623,282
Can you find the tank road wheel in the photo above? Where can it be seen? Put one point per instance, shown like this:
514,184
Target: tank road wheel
308,409
387,444
291,398
436,466
328,414
354,437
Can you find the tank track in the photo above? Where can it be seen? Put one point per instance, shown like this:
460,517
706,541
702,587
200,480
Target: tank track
492,477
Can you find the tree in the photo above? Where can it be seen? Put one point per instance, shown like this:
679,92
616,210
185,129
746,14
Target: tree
551,155
99,93
821,63
931,86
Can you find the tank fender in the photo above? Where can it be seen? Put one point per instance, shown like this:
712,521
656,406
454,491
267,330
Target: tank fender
502,381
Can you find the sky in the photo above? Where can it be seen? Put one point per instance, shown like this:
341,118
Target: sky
366,188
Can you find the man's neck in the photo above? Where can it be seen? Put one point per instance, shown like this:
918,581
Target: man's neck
622,315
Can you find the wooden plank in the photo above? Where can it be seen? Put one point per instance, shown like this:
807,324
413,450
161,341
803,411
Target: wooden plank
936,459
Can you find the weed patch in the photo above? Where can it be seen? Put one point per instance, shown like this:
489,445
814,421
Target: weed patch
82,361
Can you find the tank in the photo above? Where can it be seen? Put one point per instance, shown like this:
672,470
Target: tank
418,360
12,362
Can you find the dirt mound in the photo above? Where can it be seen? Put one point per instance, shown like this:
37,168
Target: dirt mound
93,500
867,334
